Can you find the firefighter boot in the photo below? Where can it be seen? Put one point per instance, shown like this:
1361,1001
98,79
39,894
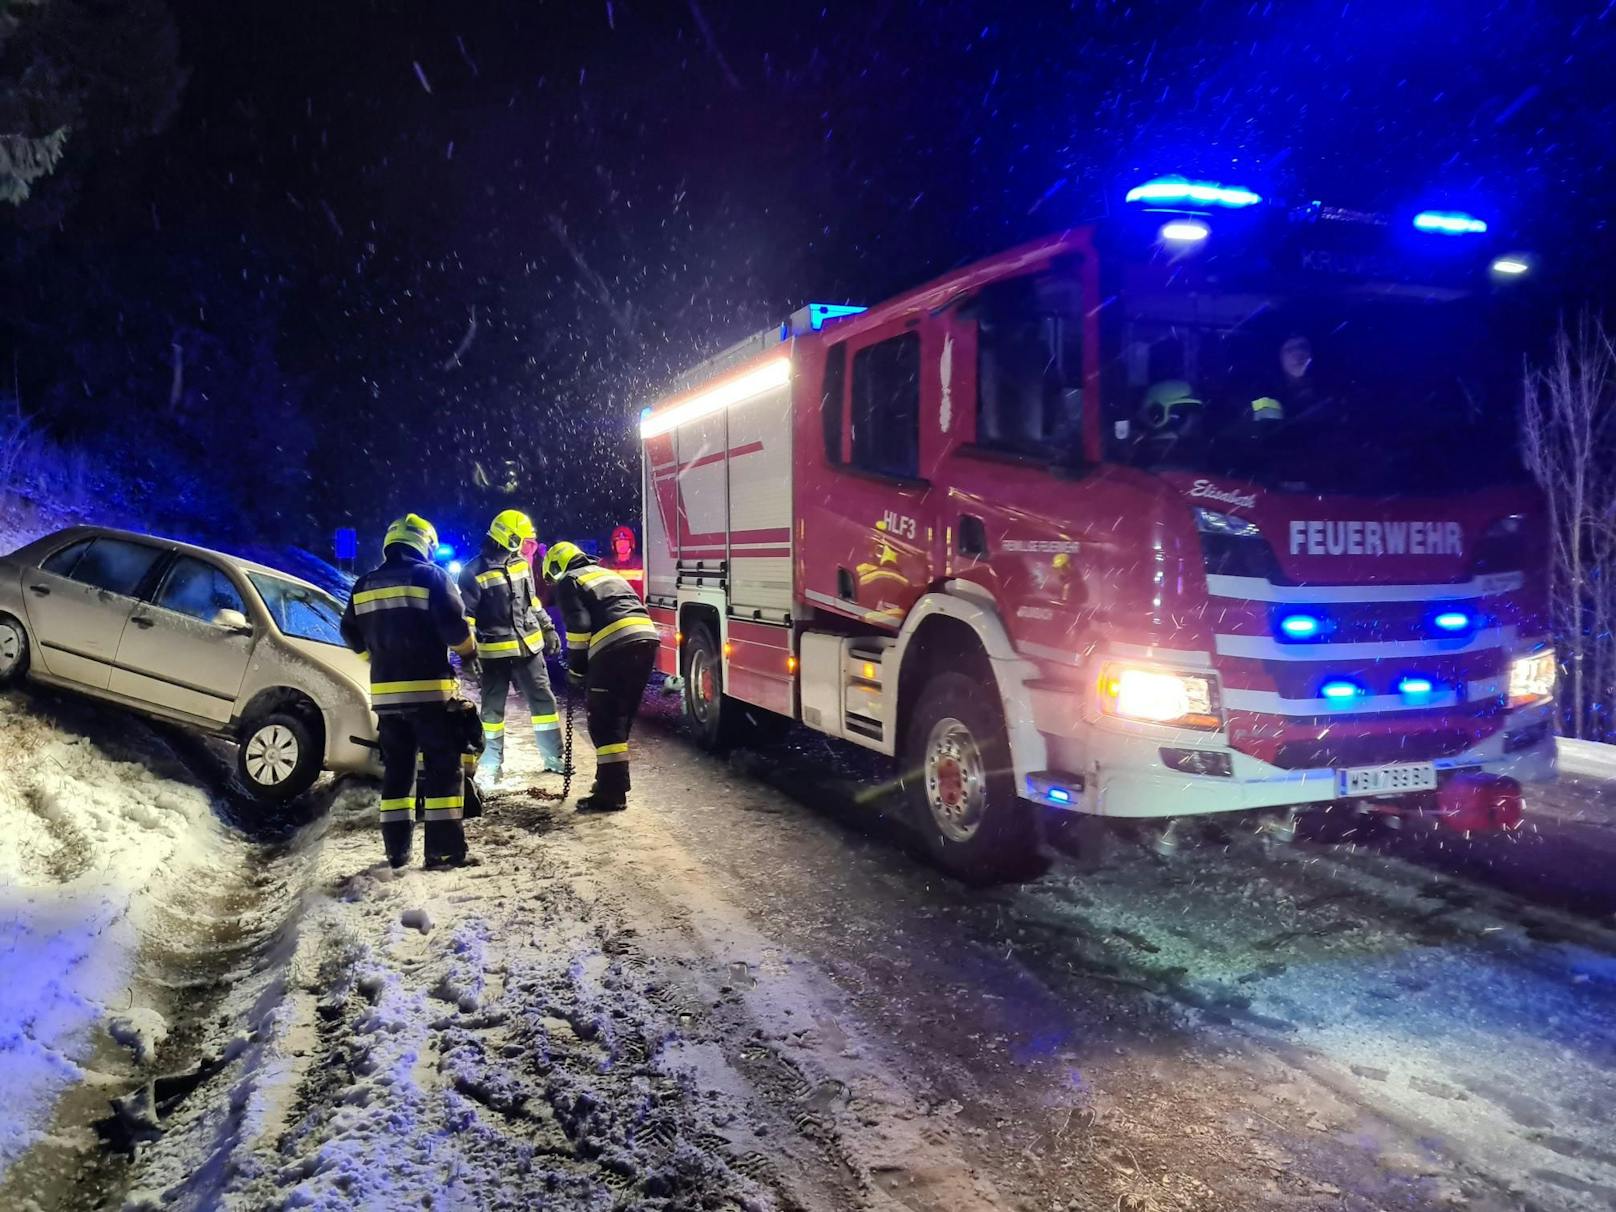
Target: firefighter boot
396,841
547,733
610,792
493,758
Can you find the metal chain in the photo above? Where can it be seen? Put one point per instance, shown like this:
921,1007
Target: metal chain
566,749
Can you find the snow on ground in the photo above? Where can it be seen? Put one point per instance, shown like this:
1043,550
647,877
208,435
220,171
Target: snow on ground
1587,759
96,848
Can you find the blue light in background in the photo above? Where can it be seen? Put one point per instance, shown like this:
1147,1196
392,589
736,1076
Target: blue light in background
1449,223
1167,190
1340,691
1185,231
1511,267
1301,626
444,552
454,567
818,313
1451,621
1416,687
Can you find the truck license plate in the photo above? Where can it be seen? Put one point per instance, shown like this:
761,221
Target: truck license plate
1386,780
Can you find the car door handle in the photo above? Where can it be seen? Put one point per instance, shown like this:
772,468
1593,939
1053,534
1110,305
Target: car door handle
41,590
140,620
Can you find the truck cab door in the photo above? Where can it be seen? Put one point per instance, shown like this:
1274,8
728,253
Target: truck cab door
872,535
186,649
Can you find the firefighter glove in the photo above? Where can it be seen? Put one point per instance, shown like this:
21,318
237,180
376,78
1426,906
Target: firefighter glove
552,642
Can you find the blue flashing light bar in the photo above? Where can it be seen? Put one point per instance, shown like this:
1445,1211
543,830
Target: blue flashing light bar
1170,191
1452,621
818,313
1340,691
443,552
1450,223
1416,687
1184,231
1301,626
1511,267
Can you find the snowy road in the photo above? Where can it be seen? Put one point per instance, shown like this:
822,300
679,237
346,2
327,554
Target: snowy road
746,992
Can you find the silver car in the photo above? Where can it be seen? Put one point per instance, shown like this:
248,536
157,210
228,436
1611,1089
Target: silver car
221,645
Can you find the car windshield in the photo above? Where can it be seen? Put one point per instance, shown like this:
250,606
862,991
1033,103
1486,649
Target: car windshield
1344,395
300,611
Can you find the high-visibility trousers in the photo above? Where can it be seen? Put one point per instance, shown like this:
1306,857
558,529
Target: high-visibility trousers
429,733
532,677
614,684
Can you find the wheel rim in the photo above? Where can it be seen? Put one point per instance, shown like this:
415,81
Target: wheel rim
271,755
10,647
956,781
703,686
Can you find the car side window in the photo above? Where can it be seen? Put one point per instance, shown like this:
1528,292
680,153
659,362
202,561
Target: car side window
60,563
199,590
115,565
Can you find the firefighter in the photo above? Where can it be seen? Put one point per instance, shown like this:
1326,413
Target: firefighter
404,617
611,647
624,562
1173,416
1295,394
514,635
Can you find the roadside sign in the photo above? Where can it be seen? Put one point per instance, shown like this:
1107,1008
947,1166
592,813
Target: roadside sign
347,543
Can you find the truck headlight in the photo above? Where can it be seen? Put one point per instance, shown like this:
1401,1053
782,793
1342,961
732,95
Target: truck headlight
1160,696
1531,678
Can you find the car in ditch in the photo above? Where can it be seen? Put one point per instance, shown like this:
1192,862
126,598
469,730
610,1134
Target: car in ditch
216,644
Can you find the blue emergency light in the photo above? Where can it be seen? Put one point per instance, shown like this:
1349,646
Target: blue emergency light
1179,191
1301,626
1452,621
443,552
1416,688
818,313
1184,231
1450,223
1340,691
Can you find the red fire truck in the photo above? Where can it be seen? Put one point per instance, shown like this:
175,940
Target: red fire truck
1209,507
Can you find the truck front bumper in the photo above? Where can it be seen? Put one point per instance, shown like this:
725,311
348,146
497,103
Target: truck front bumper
1119,770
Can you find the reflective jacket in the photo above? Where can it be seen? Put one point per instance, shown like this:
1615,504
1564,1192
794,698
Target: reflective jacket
600,609
503,608
405,616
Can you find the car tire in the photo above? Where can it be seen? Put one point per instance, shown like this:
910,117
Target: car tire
14,651
277,757
961,788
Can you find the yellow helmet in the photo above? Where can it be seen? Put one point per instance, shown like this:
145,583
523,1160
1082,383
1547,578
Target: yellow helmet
559,557
414,532
511,529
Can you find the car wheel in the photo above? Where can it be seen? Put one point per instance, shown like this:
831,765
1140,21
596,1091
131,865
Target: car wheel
956,770
13,650
277,757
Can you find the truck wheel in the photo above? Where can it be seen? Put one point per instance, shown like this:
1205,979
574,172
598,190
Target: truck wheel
956,770
703,669
13,650
278,757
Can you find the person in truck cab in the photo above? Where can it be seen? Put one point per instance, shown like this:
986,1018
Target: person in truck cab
514,635
404,617
611,648
1172,421
1295,393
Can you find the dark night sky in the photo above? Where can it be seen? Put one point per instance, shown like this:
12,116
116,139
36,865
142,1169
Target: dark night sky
614,189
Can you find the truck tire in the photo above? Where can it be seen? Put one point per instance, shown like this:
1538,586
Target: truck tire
13,651
717,721
278,757
961,788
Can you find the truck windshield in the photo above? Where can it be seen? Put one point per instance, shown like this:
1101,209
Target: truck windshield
1343,395
300,611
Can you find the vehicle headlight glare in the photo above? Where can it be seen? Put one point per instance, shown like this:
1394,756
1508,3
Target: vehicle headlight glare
1159,696
1532,678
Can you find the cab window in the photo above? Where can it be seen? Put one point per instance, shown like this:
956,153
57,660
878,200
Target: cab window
198,590
886,407
115,565
1030,367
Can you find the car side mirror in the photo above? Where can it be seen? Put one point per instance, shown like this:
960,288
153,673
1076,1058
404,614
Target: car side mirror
233,621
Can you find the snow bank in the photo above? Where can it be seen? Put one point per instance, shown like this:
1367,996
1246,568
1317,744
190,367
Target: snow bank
92,843
1587,759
